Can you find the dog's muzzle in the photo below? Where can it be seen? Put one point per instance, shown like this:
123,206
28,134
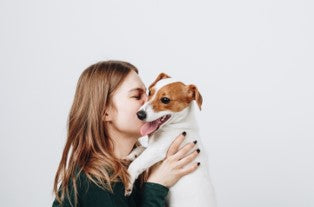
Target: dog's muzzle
141,115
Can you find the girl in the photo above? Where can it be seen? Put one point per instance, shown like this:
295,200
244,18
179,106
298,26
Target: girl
103,129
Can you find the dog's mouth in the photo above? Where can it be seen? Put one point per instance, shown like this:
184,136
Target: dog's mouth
149,127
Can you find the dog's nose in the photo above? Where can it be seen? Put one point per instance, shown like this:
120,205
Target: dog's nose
141,115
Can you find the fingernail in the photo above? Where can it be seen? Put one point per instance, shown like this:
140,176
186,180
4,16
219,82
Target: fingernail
198,164
198,150
195,141
183,133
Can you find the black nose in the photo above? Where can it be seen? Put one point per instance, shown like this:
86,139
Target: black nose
141,115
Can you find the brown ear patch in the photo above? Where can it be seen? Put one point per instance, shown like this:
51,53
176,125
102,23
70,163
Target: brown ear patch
159,77
180,96
195,95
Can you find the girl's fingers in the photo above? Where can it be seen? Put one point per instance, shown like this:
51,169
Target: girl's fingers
184,161
185,171
183,151
174,147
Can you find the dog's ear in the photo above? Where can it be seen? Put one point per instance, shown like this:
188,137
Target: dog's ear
159,77
194,94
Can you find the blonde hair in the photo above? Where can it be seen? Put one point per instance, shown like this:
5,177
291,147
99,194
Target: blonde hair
88,147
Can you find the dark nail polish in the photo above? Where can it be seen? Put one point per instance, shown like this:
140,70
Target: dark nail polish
183,133
198,150
198,164
195,141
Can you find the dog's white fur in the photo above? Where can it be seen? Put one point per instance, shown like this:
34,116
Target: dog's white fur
194,189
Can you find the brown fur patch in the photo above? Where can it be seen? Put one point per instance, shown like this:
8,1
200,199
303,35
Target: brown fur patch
152,92
159,77
180,96
196,95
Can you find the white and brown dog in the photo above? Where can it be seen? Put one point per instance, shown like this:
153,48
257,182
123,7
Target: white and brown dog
168,112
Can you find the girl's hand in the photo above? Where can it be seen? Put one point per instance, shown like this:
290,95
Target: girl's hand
171,169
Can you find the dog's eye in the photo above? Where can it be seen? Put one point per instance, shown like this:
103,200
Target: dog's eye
165,100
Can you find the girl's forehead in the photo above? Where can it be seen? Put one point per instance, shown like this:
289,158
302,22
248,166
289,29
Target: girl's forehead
132,81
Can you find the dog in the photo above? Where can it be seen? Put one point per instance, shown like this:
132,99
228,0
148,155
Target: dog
168,112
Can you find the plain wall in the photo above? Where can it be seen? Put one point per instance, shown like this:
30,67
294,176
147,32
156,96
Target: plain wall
251,60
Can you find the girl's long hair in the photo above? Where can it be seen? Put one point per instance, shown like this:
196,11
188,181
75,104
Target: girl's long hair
88,147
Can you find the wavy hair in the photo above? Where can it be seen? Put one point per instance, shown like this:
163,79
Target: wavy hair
88,147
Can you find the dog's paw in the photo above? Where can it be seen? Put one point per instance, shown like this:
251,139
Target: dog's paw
135,153
128,190
131,157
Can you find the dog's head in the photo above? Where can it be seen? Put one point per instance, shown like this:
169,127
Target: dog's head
167,97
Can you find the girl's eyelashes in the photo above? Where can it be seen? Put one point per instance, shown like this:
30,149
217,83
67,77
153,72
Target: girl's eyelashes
137,97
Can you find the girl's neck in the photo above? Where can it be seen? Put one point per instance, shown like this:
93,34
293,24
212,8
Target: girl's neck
122,143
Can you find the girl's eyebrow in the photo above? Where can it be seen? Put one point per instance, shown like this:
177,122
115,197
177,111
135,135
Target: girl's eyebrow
139,89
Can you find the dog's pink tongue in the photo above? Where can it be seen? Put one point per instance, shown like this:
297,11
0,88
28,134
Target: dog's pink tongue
149,127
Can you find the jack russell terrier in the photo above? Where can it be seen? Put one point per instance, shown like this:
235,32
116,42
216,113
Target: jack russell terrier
169,111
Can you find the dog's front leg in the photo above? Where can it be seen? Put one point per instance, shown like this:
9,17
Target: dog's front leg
147,159
135,153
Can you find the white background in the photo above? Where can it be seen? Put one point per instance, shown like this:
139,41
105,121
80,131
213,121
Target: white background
252,61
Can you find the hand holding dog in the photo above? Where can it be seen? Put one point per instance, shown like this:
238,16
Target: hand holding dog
171,169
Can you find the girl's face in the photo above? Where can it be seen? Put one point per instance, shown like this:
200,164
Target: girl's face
127,100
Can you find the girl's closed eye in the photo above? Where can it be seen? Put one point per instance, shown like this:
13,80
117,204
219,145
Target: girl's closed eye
138,97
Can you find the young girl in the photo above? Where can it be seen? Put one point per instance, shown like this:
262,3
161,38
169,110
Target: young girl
103,128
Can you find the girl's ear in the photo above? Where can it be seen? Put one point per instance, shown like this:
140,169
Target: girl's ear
107,117
108,114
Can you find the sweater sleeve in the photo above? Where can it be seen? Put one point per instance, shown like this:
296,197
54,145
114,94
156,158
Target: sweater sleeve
153,195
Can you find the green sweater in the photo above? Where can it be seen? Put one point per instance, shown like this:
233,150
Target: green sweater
89,194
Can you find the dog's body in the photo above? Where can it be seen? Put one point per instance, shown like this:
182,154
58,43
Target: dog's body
194,189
